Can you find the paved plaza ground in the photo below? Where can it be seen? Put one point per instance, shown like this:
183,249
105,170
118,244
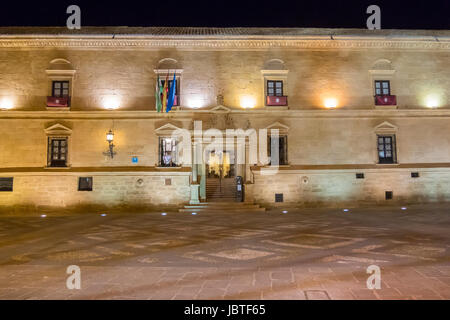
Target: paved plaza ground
301,254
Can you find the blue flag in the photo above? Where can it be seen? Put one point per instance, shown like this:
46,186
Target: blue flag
171,98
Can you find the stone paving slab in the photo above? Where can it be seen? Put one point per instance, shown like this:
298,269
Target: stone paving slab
304,254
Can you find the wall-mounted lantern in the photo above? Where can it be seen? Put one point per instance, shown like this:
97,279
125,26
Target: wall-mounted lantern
110,138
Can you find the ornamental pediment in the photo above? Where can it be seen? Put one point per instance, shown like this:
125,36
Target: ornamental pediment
386,127
58,129
278,125
220,109
166,129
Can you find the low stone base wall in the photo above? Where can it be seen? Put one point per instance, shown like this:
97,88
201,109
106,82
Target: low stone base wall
59,192
337,188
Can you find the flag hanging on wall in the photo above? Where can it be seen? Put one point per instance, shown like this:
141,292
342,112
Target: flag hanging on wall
158,93
164,94
171,98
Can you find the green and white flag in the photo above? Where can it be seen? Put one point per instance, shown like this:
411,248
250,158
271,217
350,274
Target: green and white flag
158,92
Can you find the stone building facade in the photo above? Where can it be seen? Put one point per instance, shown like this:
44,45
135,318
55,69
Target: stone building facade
362,116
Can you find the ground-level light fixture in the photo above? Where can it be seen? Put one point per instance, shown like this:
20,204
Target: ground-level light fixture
194,213
43,215
345,210
403,208
284,211
110,138
164,214
103,214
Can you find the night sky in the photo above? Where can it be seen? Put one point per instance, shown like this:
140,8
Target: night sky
400,14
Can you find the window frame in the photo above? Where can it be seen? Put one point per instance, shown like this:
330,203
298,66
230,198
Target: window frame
61,82
174,158
275,82
89,188
50,152
282,156
7,187
382,88
393,143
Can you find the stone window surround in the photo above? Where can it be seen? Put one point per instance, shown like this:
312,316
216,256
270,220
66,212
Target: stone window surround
164,131
282,75
178,75
283,130
60,75
388,75
386,129
59,131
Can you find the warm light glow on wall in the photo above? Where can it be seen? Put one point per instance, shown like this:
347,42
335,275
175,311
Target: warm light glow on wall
111,102
195,103
330,103
248,102
432,101
6,103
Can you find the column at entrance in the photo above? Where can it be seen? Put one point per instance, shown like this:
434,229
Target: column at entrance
195,186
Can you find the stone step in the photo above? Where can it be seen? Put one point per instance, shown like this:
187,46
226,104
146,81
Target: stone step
221,205
223,209
218,193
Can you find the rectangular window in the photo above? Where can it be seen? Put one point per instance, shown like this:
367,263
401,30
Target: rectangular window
382,88
414,174
278,197
85,183
388,195
60,89
360,175
275,88
168,152
57,152
282,150
6,184
386,149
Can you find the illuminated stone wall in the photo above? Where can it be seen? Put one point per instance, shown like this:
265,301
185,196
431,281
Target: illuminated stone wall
312,71
338,188
40,191
313,76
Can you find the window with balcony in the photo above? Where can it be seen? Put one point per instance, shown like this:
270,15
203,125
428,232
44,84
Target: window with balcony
382,75
168,152
275,79
383,95
274,91
386,149
60,76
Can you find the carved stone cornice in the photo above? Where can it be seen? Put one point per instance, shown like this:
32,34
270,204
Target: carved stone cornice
217,44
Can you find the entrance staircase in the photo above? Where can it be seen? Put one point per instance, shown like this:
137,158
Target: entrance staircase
221,197
220,190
